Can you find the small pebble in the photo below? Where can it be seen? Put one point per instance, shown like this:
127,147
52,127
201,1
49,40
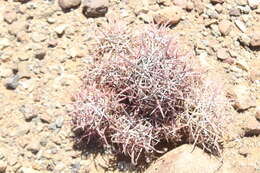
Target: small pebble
225,27
3,166
34,146
60,30
40,54
68,4
59,121
9,17
28,112
257,114
241,26
12,82
234,12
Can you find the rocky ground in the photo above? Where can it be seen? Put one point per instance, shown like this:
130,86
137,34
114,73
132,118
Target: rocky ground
45,47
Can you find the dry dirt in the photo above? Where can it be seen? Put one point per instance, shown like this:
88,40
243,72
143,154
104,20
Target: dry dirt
44,51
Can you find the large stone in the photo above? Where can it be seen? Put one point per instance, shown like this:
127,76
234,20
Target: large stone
68,4
95,8
186,159
169,15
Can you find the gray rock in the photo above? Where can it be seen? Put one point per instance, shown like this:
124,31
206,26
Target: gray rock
95,8
12,82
